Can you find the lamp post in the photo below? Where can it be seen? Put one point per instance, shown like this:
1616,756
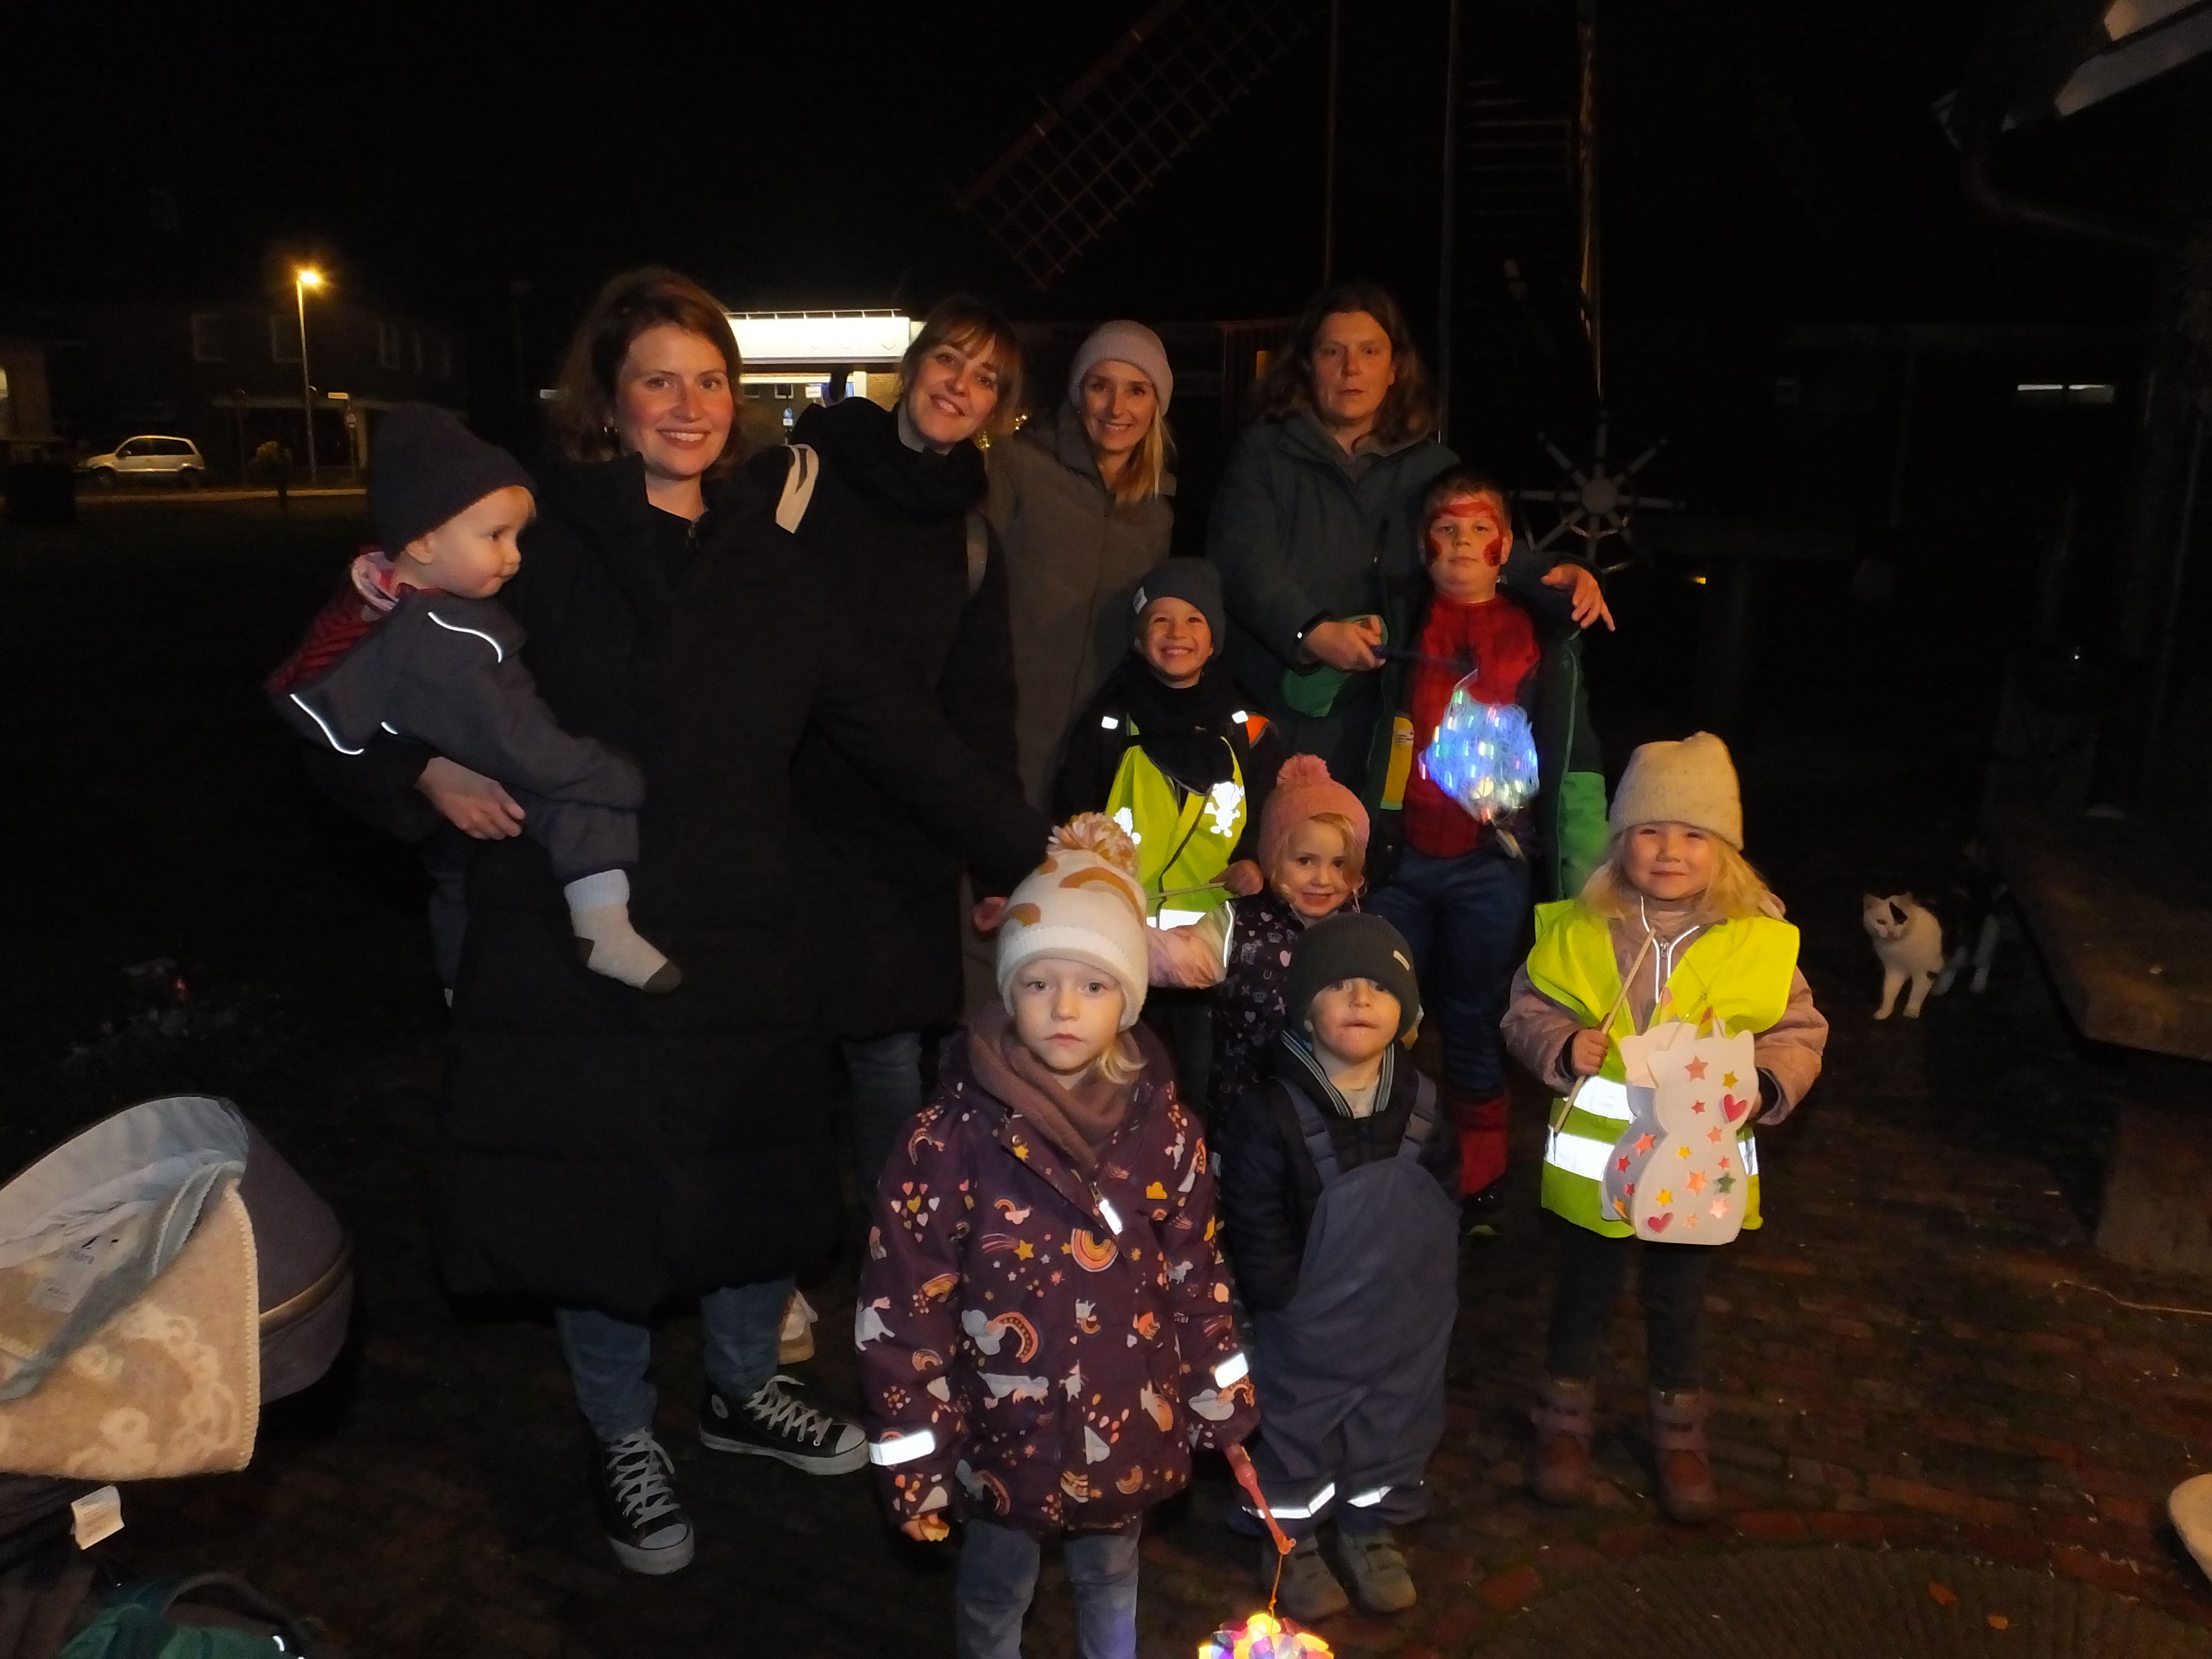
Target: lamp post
303,279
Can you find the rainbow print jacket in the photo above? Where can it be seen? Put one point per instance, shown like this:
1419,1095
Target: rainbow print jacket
1037,1348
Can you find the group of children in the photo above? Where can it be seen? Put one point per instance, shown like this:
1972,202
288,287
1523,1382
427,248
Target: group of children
1047,1321
1073,1279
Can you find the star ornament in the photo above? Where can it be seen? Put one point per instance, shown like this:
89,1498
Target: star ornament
1728,1079
1713,1135
1644,1143
1697,1182
1697,1069
1726,1183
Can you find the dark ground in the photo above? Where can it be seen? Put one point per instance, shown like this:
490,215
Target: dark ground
1920,1350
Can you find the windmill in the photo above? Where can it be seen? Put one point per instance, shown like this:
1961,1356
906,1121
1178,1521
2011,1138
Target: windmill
1102,144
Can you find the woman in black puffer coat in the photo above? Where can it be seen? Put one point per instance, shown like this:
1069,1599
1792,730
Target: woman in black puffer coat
608,1152
921,587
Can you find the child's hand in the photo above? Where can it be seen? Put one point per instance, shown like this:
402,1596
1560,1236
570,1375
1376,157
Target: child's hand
1244,878
927,1528
1588,1052
1589,605
990,912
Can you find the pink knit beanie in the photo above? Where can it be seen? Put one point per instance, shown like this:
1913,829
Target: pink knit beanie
1304,789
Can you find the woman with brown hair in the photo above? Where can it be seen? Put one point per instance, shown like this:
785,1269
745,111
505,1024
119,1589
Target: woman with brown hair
894,508
1315,526
1080,498
610,1153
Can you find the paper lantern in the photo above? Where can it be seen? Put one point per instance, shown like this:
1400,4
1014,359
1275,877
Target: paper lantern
1262,1636
1484,756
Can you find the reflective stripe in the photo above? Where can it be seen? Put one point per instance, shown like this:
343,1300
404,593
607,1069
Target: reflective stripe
895,1448
1306,1512
1109,723
1178,918
1234,1369
324,724
1600,1096
1748,1149
455,627
1577,1154
1368,1500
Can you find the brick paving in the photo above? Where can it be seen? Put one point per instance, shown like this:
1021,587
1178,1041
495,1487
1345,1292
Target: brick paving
1920,1350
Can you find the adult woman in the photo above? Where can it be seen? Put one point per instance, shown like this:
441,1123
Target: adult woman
921,585
607,1151
1081,501
1314,526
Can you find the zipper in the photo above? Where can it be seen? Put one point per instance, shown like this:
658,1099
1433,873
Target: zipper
1107,1212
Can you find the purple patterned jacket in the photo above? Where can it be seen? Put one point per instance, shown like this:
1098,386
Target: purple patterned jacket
1036,1349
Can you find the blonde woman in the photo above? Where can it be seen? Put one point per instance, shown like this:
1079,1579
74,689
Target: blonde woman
1079,499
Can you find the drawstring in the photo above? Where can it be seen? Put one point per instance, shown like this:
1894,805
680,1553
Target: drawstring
1662,957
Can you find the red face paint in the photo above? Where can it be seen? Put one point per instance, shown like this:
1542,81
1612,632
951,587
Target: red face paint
1468,507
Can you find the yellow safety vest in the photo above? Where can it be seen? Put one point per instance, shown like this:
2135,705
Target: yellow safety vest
1184,838
1735,975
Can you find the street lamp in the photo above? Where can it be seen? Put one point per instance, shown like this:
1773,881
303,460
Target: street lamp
303,279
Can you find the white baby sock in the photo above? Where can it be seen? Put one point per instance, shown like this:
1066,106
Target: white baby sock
598,912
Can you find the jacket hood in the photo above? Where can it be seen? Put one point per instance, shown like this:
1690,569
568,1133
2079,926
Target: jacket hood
1303,435
861,440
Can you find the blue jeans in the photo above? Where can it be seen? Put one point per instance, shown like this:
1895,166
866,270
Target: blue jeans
998,1576
608,1358
885,1074
1463,917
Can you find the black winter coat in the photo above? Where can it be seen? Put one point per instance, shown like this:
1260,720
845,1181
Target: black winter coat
891,525
601,1148
1270,1188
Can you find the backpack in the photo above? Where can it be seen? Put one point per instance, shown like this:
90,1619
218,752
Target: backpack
208,1615
806,471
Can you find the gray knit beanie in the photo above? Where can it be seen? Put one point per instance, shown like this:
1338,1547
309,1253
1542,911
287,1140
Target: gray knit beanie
1693,782
426,467
1354,945
1128,342
1196,583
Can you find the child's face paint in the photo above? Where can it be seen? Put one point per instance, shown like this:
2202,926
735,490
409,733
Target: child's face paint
1468,540
1669,861
1314,870
1066,1013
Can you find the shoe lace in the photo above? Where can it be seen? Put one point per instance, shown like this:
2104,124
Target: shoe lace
786,1414
639,1470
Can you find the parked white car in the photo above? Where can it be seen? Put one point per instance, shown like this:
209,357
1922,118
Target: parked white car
149,459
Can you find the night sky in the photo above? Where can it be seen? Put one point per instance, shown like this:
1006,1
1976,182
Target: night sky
1761,160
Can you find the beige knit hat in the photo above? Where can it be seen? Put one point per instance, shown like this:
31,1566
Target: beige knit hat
1693,782
1084,902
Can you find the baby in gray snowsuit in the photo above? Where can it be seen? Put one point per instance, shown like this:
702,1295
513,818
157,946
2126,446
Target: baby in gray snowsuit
415,645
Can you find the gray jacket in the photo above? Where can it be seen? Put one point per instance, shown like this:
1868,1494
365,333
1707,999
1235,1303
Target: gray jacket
448,672
1074,558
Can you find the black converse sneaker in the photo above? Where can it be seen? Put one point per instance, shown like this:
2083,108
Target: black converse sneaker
778,1423
646,1525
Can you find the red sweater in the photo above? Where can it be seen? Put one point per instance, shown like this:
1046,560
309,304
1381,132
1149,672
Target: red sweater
1498,642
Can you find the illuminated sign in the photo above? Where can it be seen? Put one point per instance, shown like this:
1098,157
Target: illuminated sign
823,336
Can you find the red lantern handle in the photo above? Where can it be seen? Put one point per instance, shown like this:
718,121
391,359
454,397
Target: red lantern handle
1239,1465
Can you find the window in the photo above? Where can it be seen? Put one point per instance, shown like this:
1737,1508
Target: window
387,344
209,345
172,446
283,339
7,409
132,449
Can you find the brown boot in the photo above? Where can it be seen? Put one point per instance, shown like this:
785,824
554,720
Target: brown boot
1678,1442
1559,1471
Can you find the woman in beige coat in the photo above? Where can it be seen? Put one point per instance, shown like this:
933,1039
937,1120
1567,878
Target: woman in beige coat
1078,498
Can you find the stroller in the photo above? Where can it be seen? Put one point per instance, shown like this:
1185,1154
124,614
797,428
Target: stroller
162,1275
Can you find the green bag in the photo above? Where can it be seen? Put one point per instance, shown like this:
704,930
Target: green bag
143,1621
1582,834
1313,691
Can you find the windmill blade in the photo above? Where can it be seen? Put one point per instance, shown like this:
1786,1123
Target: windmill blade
1133,115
